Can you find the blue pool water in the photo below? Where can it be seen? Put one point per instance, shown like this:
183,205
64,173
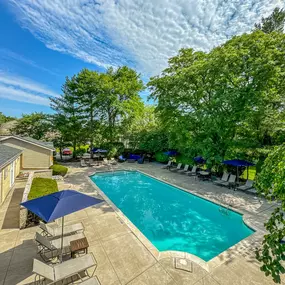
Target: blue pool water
171,218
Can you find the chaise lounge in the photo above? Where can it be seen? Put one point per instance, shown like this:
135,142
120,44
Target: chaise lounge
248,185
53,230
48,249
62,271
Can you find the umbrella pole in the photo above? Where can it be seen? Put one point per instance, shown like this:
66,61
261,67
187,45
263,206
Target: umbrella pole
61,247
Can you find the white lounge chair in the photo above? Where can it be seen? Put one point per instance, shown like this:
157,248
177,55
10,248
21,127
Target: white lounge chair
105,161
52,248
168,165
224,179
83,163
91,162
113,161
177,168
185,169
54,230
192,172
65,270
248,185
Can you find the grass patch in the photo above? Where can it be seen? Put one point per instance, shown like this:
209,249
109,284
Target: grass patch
251,173
58,169
41,187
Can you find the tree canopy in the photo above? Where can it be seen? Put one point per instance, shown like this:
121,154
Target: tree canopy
34,125
225,102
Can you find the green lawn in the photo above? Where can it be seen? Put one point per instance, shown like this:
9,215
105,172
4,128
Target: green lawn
251,173
41,187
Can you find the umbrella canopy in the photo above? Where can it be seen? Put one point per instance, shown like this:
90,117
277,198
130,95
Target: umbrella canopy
171,153
238,162
59,204
199,159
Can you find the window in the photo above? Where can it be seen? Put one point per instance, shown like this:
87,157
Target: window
5,173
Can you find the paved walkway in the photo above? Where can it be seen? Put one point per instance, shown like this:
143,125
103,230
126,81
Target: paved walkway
122,257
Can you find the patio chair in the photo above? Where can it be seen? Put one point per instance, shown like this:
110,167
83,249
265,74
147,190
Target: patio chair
82,163
248,185
177,168
192,172
113,161
168,165
53,230
185,169
91,162
224,179
230,182
48,249
62,271
105,161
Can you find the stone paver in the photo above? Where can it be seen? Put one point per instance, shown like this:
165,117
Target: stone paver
128,256
121,252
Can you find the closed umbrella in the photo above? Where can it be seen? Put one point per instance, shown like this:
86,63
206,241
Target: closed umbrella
59,204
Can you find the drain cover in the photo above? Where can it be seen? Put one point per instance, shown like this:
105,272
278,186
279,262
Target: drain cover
183,264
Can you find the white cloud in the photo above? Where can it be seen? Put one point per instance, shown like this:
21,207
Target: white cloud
140,33
26,84
11,93
24,90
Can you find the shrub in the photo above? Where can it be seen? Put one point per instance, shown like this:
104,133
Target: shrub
161,157
80,151
181,158
41,187
58,169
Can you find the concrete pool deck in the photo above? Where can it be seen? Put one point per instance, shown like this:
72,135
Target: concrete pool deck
123,256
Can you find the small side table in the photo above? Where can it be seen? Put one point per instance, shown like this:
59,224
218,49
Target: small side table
79,245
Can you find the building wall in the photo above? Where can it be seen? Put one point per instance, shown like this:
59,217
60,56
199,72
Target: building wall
5,178
33,156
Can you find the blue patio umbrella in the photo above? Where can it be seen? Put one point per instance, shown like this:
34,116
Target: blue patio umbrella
59,204
238,163
199,159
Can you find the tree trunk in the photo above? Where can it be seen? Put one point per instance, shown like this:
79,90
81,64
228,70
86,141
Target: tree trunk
74,149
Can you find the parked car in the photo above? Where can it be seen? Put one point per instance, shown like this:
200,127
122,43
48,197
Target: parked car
66,151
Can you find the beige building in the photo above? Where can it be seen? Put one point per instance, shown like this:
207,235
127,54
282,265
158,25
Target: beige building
10,164
35,154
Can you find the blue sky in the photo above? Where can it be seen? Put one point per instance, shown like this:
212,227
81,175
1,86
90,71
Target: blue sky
43,41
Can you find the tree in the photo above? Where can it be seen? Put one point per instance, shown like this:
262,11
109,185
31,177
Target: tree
35,125
229,100
69,120
87,87
119,99
270,183
5,119
273,23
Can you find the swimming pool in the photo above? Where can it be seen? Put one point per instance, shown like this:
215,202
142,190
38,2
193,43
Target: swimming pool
170,218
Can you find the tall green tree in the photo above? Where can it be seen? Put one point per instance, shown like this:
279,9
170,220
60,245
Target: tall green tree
273,23
87,87
69,118
270,183
211,103
119,99
34,125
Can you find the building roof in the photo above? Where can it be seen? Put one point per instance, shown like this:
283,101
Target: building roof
7,154
48,145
